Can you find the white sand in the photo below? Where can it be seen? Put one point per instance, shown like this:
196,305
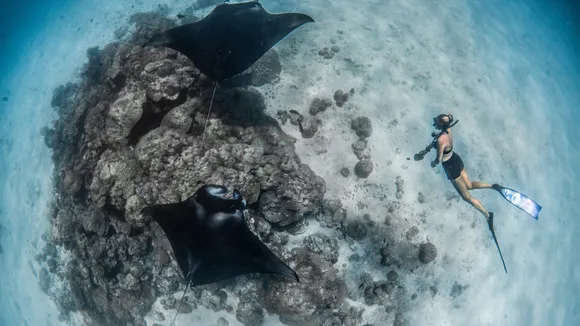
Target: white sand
504,71
521,86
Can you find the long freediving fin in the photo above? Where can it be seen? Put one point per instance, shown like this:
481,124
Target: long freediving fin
519,200
490,224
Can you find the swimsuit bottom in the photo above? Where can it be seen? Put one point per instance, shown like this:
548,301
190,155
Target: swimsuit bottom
453,166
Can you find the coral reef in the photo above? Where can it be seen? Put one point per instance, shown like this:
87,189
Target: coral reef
319,105
129,135
311,301
341,97
363,168
362,126
427,252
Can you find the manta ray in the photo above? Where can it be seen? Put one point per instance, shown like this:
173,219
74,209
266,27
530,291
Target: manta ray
231,38
210,239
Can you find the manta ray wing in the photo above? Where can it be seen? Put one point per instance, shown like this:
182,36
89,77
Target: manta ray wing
230,38
180,229
237,251
211,240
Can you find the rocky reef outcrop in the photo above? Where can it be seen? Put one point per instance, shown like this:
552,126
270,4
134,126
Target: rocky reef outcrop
129,135
132,133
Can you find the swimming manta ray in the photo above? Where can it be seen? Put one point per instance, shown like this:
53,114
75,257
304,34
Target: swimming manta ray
210,239
230,39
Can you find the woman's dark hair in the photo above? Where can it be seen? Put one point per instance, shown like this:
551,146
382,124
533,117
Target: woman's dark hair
440,123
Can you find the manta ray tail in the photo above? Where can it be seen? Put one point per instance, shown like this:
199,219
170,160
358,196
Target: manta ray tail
180,301
209,111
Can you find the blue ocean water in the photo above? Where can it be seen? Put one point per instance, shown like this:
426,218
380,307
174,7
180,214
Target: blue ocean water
20,23
518,125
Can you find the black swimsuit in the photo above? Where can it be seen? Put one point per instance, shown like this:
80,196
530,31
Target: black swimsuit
453,166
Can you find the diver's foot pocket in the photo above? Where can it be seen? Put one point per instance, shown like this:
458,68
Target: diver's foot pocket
490,220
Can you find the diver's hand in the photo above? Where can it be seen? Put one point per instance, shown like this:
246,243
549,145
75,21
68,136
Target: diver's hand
434,163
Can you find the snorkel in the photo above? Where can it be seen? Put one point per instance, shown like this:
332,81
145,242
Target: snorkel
442,125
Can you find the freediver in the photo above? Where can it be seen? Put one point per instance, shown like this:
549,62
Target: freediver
453,165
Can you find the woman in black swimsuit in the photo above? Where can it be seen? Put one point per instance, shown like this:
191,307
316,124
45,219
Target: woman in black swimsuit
453,165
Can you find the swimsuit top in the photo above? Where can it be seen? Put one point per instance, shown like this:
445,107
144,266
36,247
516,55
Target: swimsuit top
437,137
